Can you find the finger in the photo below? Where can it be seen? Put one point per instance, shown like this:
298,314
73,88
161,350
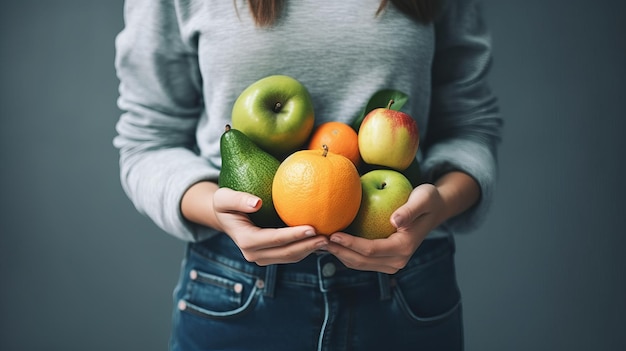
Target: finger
290,253
354,260
229,200
415,207
266,238
394,245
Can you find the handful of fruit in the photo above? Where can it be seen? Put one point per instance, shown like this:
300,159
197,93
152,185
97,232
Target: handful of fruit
336,177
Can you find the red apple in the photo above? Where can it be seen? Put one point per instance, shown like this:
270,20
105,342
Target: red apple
388,138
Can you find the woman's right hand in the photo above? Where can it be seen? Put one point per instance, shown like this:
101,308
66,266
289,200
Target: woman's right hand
228,212
263,246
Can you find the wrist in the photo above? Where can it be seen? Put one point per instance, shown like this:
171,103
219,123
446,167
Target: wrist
197,204
459,192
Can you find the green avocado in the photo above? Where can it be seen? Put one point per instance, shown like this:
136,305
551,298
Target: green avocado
246,167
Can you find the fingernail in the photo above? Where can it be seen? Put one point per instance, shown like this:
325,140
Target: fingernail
335,239
322,245
309,232
253,202
396,221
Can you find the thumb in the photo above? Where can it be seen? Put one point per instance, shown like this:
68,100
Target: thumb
227,200
415,207
402,217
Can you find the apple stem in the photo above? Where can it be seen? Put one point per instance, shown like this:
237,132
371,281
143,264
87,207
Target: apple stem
390,103
383,185
325,147
227,128
277,107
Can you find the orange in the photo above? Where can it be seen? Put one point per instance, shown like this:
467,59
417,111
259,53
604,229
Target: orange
318,188
340,139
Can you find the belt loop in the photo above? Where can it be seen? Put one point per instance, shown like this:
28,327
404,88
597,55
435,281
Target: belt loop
270,280
384,286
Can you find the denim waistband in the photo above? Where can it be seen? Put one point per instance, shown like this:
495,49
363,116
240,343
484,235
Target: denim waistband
321,270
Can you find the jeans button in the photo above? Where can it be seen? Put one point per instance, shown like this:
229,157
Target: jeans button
329,269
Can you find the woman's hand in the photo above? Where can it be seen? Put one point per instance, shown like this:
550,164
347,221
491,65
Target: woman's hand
262,245
227,212
427,207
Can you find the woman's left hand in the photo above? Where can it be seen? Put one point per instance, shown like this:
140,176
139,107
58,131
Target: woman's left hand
423,211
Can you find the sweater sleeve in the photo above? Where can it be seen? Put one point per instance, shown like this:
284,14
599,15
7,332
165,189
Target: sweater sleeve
160,99
465,124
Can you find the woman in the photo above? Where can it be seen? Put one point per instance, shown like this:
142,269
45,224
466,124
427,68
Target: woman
182,64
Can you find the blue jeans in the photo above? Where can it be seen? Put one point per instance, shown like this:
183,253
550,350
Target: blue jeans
223,302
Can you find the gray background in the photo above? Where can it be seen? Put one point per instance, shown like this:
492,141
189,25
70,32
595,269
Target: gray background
81,270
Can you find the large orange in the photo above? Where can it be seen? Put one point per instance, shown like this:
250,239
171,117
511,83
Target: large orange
340,139
317,188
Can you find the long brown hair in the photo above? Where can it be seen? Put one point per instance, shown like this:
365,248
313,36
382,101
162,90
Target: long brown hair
265,12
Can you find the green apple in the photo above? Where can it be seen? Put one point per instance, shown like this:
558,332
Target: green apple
384,191
276,113
413,173
388,138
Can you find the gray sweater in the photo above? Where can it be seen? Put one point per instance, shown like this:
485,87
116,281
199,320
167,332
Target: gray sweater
182,63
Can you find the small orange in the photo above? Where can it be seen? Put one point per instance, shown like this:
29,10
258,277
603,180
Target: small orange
340,139
317,188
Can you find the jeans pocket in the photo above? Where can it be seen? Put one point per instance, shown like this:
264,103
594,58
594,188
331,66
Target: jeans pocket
428,293
211,295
